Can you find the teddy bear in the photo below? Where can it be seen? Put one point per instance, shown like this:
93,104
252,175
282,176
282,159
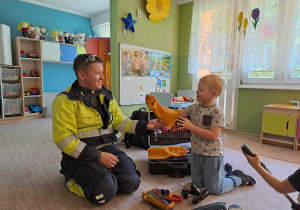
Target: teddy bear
80,39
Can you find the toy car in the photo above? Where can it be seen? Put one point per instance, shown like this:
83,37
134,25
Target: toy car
35,108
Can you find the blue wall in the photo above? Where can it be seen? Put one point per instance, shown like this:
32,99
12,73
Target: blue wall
56,77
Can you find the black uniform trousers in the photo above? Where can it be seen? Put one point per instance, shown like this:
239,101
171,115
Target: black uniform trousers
99,183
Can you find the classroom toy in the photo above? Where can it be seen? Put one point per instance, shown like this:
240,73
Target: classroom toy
23,26
44,34
169,116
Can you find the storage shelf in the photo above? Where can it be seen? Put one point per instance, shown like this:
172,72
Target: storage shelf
278,138
61,62
31,77
33,96
31,59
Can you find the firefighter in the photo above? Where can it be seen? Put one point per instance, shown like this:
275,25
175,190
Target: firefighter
85,116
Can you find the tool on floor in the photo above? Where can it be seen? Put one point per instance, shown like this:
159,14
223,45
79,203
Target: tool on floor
246,149
161,198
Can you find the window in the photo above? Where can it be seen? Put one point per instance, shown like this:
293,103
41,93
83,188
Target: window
102,30
268,53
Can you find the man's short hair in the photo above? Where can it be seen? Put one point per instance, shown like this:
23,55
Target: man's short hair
84,60
214,83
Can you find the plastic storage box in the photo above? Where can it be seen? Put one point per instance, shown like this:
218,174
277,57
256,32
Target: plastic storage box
10,74
11,89
12,106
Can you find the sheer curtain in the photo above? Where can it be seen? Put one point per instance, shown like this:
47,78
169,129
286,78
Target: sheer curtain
214,39
270,47
102,30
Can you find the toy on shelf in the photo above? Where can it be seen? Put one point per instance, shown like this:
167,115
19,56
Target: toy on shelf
23,26
34,73
72,38
43,33
37,31
34,91
24,72
67,37
26,93
30,54
31,31
60,37
80,39
26,109
54,35
35,108
22,53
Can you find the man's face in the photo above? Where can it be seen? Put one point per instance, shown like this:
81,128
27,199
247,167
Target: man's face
91,77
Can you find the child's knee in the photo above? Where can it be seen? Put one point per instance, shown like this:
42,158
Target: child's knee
214,190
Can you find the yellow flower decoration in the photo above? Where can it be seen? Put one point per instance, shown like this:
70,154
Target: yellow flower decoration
245,25
158,9
240,20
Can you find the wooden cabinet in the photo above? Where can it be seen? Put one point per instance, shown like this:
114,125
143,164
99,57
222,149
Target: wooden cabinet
51,51
280,124
68,53
11,104
32,71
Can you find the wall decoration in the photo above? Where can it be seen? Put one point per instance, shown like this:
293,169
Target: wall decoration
255,15
245,26
129,23
158,9
136,65
240,20
160,65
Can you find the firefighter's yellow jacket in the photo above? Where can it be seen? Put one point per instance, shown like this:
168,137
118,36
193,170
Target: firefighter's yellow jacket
78,128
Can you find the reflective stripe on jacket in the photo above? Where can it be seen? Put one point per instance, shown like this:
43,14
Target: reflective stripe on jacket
76,124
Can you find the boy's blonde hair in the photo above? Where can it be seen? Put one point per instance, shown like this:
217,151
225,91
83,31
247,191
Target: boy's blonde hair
214,83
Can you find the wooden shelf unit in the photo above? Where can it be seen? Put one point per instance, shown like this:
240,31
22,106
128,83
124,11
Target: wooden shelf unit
281,125
34,46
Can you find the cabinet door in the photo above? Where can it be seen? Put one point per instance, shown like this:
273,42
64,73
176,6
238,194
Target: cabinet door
81,50
68,53
279,124
51,51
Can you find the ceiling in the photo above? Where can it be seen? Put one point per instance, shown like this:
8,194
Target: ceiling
87,8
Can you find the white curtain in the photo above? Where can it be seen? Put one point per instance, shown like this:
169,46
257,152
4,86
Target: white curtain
102,30
272,44
214,38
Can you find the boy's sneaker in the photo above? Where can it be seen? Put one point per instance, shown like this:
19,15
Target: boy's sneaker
246,179
228,169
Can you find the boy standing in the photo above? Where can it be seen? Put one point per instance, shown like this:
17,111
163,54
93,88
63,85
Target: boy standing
205,124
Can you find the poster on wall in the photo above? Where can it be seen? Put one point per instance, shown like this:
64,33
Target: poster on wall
136,81
160,65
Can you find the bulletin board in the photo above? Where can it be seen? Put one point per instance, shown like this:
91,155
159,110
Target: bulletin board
142,70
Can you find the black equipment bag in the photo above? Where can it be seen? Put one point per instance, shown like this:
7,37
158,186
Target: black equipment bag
138,140
213,206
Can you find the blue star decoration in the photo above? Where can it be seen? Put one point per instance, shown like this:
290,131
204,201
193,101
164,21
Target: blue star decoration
129,23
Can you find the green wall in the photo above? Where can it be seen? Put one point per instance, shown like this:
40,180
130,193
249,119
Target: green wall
185,17
155,35
250,106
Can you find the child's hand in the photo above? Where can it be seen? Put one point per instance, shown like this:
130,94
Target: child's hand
184,123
